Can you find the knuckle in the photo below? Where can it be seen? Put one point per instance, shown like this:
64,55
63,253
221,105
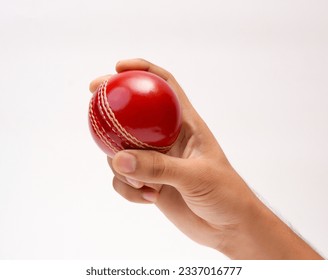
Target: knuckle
129,196
166,75
158,166
122,189
169,76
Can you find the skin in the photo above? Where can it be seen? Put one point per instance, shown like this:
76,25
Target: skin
198,190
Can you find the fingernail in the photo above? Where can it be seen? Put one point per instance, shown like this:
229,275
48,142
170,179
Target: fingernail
125,162
135,183
149,196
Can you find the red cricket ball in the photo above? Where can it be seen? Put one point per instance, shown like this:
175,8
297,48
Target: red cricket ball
134,110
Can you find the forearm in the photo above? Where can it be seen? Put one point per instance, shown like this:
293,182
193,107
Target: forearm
262,235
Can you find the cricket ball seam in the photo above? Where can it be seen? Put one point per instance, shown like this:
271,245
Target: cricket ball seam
109,122
110,114
105,140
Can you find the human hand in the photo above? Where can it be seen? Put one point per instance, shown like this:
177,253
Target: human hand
195,186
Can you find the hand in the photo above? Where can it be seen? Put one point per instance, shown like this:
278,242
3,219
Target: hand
196,187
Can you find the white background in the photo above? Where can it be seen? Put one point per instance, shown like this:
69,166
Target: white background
255,70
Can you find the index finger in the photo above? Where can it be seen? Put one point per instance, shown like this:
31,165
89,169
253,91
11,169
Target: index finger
142,64
96,82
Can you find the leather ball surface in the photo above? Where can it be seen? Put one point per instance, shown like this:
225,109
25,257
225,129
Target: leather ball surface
134,110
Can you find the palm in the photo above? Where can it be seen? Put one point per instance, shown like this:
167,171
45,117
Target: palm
185,211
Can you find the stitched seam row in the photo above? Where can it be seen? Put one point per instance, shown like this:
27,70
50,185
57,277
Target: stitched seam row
110,114
107,141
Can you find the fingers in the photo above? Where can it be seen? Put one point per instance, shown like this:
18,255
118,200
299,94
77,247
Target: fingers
189,114
96,82
141,64
152,167
142,195
133,183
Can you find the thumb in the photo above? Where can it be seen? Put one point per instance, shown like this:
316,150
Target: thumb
151,167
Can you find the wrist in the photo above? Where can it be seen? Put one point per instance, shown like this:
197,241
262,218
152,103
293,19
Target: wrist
260,234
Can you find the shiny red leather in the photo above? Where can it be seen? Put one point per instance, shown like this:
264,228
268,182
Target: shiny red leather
134,110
